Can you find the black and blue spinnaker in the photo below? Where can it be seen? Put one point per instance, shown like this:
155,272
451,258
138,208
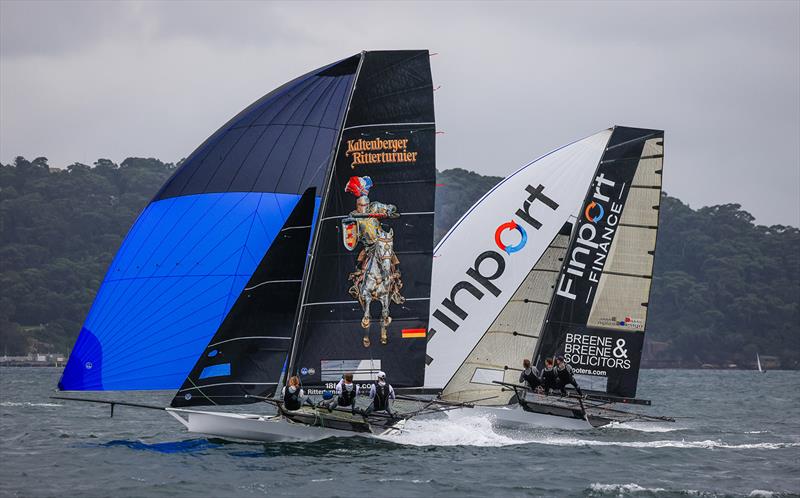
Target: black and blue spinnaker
188,256
246,356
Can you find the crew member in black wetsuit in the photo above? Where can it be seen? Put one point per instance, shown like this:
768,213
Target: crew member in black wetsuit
566,376
346,394
530,376
549,376
382,395
293,395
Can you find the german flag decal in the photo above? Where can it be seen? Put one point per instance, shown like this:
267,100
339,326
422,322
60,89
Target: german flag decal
413,333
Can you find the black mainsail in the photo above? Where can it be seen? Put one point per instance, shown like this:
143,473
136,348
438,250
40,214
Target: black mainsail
364,305
598,312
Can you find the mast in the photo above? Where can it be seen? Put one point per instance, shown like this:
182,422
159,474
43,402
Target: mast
299,313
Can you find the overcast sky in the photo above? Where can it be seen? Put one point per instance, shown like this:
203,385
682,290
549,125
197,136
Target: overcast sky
83,80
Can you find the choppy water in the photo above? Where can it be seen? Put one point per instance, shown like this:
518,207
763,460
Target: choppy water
738,434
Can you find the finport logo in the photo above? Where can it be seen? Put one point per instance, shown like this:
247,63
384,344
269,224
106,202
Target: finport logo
511,225
594,207
480,279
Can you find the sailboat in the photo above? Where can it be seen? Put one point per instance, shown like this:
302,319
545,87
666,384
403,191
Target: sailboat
758,364
560,262
296,240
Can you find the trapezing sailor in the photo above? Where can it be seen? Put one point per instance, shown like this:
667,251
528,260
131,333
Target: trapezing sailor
376,276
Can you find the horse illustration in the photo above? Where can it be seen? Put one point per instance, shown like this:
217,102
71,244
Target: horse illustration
378,280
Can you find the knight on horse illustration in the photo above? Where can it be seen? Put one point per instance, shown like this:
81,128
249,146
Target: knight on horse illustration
376,276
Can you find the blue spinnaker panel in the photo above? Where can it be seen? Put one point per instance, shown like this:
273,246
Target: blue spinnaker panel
191,251
171,284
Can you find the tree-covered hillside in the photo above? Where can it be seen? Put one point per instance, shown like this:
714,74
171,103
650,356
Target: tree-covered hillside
724,288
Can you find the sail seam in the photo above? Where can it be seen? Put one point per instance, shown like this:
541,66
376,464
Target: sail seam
272,282
226,384
200,390
356,302
631,141
632,275
250,337
389,124
244,127
619,159
418,213
633,225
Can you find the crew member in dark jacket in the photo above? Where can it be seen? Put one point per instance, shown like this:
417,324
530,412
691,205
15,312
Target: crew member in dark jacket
529,375
566,376
549,376
293,396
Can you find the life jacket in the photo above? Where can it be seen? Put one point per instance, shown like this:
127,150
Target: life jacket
381,400
291,400
347,398
531,378
565,375
549,377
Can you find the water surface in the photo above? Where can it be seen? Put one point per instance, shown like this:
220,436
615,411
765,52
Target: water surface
737,434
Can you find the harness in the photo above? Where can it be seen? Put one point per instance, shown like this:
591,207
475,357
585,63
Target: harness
291,400
347,398
549,377
381,399
564,375
531,378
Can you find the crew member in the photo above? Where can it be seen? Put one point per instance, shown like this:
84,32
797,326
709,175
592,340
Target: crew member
346,394
549,376
529,375
293,395
382,394
566,376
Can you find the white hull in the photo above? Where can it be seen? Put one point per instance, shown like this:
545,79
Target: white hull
262,428
514,417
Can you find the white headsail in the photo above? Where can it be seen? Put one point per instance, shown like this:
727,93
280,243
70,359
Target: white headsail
504,241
